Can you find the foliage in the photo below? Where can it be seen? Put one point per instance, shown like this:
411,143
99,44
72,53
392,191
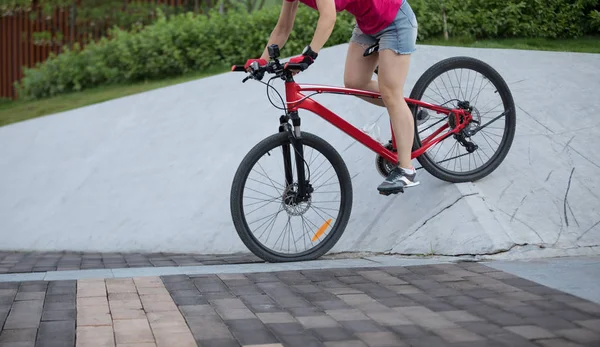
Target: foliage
484,19
169,47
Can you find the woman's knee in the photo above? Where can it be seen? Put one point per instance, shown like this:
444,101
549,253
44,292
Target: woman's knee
392,95
355,82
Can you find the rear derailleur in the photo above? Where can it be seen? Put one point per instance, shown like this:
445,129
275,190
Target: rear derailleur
468,145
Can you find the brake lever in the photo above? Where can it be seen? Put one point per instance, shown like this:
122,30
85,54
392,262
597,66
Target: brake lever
247,78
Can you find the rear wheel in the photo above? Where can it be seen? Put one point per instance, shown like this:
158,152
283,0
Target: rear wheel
267,217
450,83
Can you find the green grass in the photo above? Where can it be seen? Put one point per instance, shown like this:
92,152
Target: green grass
16,111
589,44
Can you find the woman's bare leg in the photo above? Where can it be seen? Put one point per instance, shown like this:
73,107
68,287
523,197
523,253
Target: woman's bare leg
358,72
393,69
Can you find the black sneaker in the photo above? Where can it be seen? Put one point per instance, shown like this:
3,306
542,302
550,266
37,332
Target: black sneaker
397,180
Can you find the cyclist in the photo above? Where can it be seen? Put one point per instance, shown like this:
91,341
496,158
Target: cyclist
394,24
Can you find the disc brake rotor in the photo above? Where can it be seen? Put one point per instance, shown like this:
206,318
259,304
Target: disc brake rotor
290,206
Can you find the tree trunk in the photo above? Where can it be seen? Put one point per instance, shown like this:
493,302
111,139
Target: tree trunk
196,6
445,23
72,23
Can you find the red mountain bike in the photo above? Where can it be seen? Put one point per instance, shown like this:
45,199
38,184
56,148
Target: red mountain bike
319,199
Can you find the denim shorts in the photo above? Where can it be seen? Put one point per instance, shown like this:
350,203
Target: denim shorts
400,36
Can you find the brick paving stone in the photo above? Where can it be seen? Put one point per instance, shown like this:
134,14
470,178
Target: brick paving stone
375,290
580,335
424,317
511,339
558,342
430,302
528,311
132,331
389,318
276,317
397,301
588,307
331,333
210,284
189,300
58,315
24,315
459,316
550,322
452,335
251,331
361,326
208,328
573,315
427,341
304,340
549,305
346,315
318,296
336,304
482,328
251,289
317,322
305,311
30,296
592,324
381,339
281,329
218,343
220,295
95,336
347,343
259,277
57,333
497,315
260,303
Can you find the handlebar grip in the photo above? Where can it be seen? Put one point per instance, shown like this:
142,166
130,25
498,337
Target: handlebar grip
238,68
296,66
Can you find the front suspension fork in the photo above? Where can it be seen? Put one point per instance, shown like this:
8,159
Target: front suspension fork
295,137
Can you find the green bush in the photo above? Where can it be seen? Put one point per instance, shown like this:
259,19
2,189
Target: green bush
185,42
171,46
483,19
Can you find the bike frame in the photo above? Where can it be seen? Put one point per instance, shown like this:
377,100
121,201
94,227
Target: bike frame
296,100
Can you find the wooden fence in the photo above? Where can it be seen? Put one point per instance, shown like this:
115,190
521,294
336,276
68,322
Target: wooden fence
19,48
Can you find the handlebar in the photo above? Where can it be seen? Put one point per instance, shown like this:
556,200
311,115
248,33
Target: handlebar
273,67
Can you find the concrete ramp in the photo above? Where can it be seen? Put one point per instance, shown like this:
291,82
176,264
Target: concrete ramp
152,172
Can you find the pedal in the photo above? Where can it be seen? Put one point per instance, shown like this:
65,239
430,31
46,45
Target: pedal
390,192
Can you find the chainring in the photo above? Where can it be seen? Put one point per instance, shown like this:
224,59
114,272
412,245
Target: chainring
384,166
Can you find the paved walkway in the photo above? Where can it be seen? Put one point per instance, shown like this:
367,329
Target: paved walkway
19,262
462,304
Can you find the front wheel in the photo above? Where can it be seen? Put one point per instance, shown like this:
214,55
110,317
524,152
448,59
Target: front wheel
472,154
269,220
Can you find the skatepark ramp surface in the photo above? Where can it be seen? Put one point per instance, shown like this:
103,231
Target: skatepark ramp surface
152,172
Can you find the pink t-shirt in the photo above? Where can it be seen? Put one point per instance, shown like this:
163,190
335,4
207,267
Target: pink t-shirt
371,15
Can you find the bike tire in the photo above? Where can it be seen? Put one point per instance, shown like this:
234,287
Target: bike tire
239,181
503,90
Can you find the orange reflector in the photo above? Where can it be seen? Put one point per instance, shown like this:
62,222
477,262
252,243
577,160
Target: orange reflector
321,230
